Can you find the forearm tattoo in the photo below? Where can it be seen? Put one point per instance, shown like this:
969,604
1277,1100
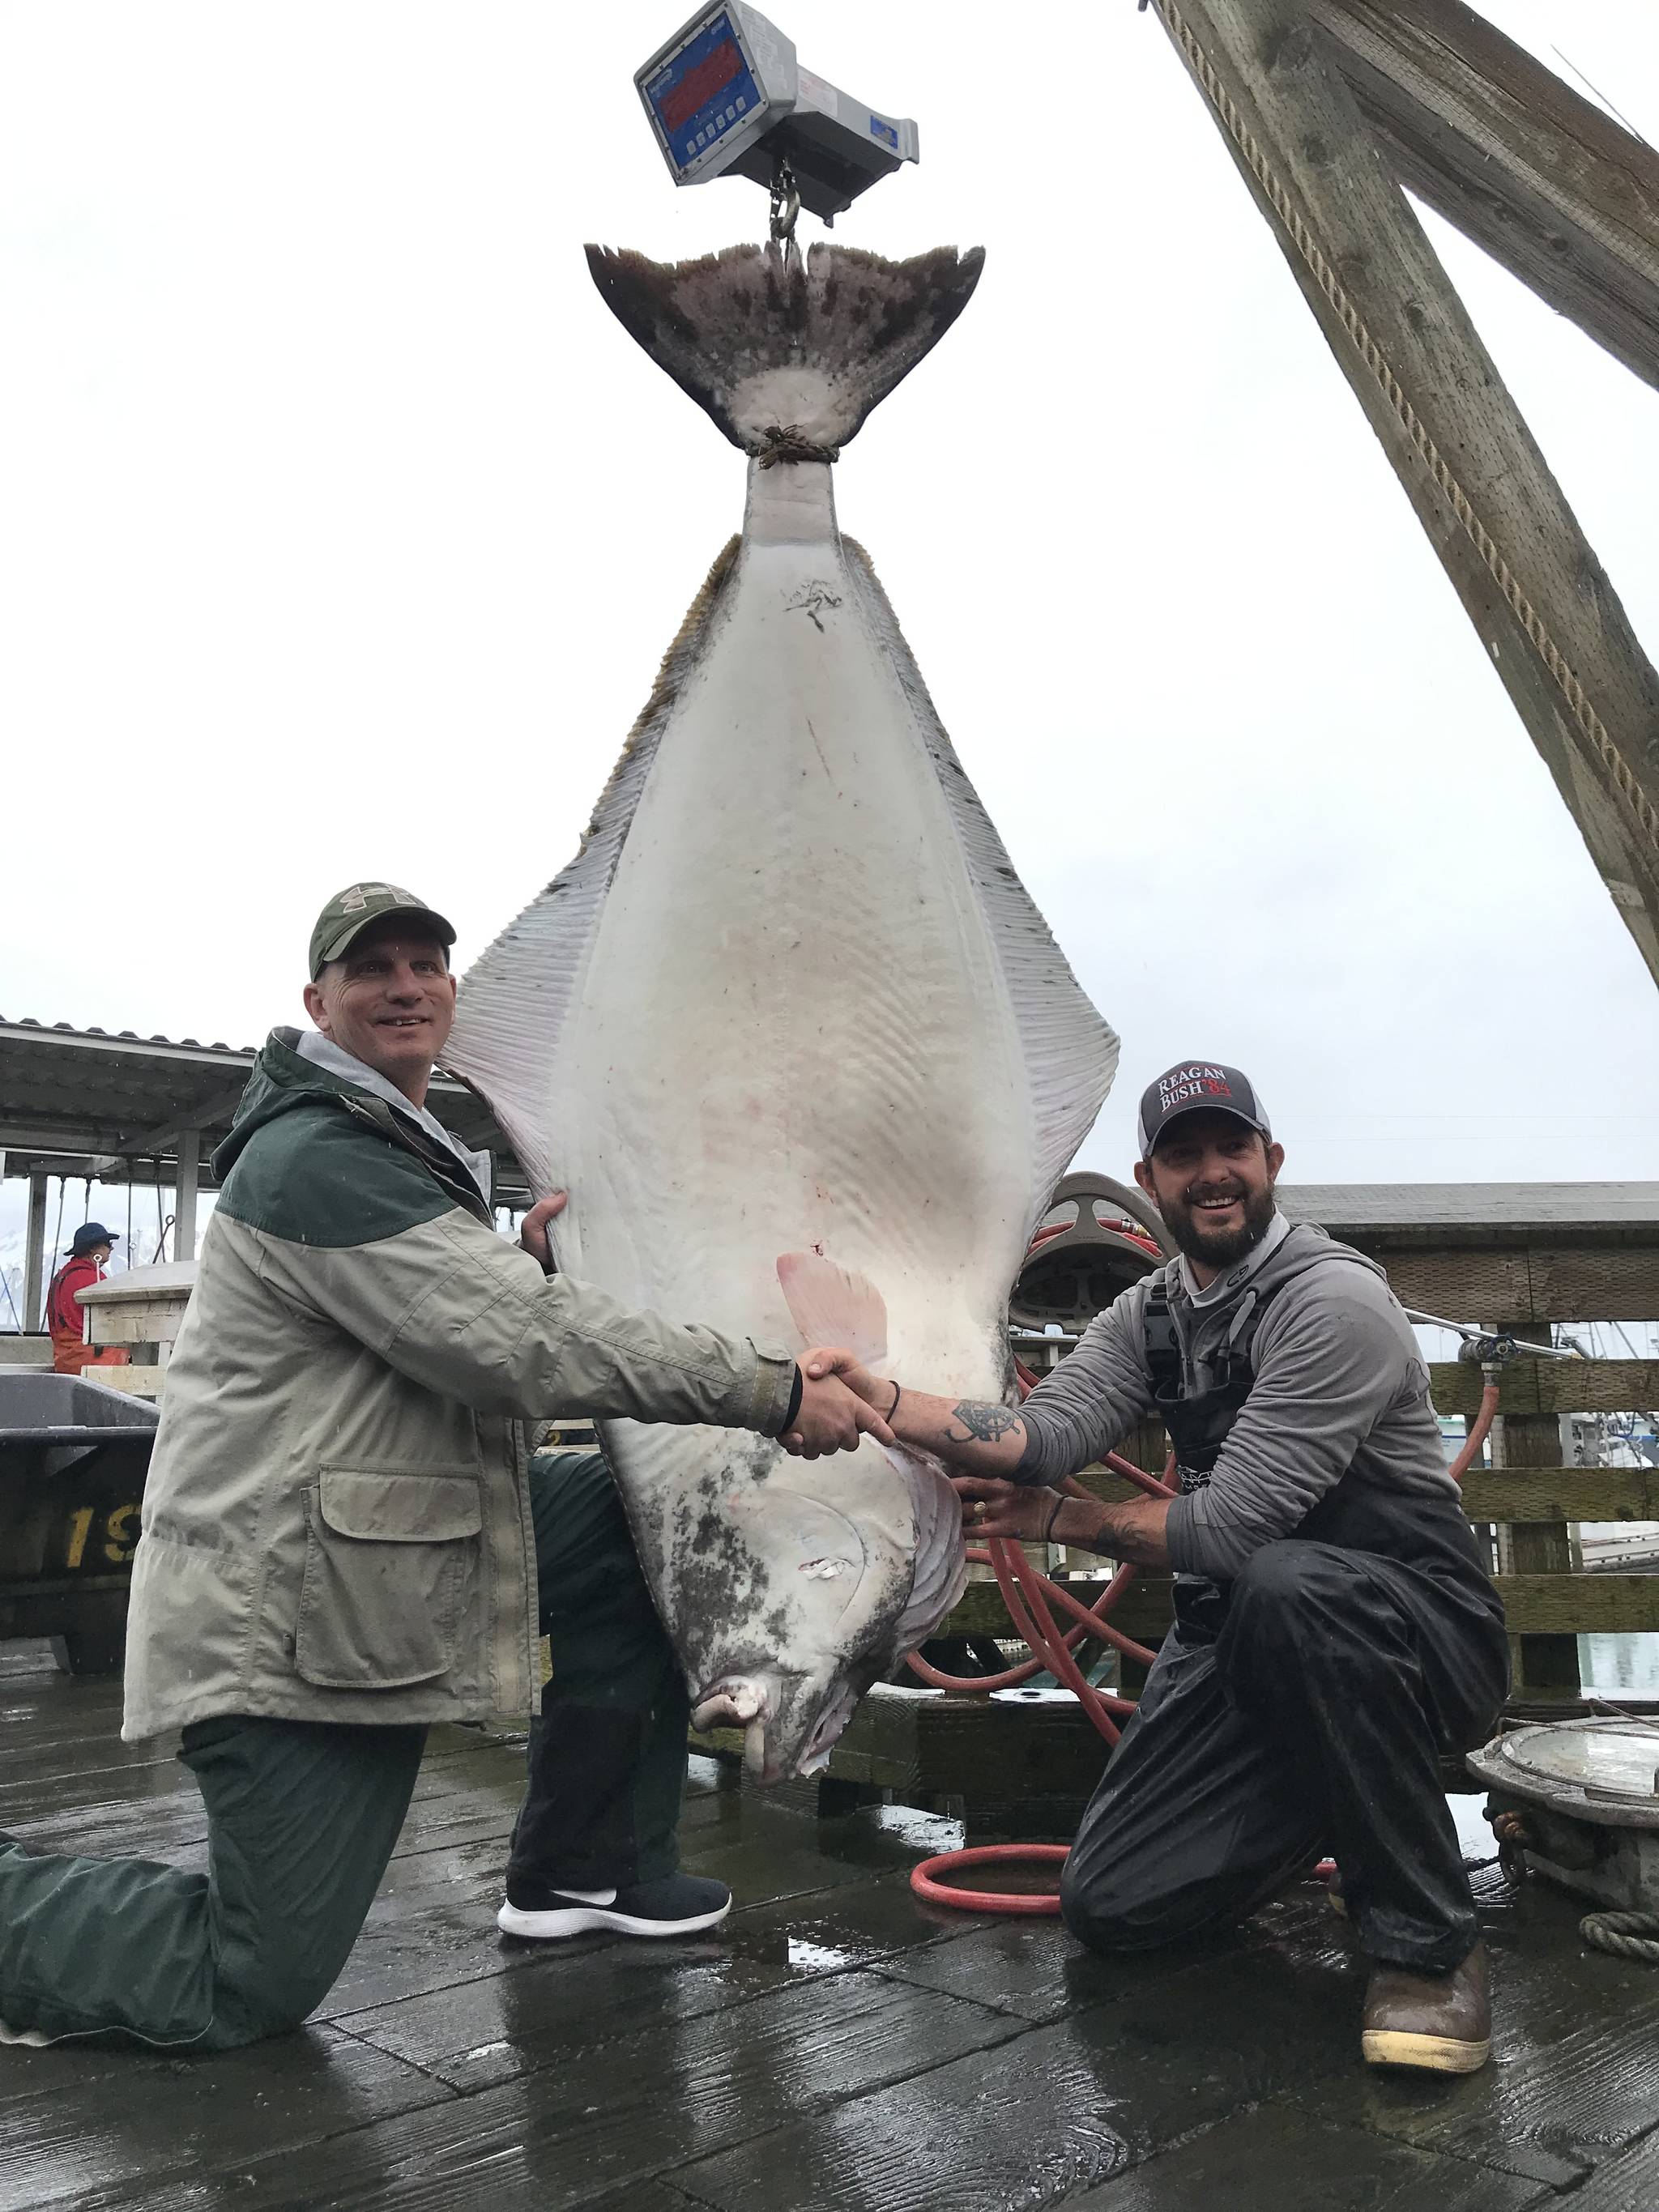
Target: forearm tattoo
984,1424
1123,1535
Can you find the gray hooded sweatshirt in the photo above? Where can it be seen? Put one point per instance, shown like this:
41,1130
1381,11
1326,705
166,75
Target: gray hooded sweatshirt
1340,1385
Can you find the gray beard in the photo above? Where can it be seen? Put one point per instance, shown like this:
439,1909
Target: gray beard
1221,1250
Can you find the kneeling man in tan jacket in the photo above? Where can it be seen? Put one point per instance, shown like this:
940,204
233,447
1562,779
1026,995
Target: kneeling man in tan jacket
337,1545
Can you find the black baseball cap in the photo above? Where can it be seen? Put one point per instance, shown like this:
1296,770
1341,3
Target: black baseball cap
90,1233
1190,1084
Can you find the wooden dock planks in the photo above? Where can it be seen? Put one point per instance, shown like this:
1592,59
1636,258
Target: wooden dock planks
837,2045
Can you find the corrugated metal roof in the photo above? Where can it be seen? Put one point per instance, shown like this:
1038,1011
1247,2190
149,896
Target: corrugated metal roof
119,1036
69,1094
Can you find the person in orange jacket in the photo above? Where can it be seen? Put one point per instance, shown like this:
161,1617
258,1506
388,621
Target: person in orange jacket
83,1265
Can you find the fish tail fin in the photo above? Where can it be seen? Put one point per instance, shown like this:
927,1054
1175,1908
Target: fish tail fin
787,352
830,1304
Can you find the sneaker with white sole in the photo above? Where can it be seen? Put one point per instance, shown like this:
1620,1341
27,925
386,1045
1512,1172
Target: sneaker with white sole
677,1905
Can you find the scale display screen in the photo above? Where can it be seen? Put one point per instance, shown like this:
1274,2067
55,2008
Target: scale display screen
705,91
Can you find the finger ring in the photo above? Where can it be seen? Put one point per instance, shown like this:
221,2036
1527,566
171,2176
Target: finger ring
979,1510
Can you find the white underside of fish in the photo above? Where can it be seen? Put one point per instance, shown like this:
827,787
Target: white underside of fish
791,996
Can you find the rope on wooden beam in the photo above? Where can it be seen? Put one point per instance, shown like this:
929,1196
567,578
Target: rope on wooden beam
1636,801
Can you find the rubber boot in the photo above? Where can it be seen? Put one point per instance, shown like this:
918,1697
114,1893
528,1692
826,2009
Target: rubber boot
1442,2022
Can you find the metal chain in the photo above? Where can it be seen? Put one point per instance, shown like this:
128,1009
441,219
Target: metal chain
1584,713
1511,1838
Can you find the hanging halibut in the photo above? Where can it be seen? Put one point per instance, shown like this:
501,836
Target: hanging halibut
790,997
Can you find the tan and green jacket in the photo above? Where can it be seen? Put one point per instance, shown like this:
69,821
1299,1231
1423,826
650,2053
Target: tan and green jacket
336,1525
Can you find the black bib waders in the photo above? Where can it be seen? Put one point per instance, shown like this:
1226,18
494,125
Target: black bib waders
1299,1709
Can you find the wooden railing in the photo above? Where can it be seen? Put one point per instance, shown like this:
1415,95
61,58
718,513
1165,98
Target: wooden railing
1575,1604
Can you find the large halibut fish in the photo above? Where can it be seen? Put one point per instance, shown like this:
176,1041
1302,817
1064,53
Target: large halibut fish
791,999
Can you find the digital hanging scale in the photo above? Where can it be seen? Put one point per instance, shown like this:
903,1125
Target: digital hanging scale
726,97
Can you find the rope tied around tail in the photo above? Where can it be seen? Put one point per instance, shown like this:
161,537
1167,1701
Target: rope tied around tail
785,441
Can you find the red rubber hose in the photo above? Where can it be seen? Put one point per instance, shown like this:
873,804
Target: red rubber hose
1026,1593
923,1879
1477,1435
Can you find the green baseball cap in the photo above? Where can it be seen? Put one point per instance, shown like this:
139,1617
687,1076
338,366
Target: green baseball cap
349,912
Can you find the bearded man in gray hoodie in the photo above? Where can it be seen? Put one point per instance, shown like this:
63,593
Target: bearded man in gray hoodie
1335,1629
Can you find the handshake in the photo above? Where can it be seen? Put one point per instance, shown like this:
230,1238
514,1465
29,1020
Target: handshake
837,1405
835,1409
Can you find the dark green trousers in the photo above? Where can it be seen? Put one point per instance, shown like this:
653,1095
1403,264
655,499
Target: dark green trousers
304,1815
607,1759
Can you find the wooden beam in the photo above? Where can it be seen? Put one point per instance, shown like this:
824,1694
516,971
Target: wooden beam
1550,1386
1549,185
1006,1769
1590,1282
1144,1612
1537,1605
1509,1494
1580,1605
1562,1493
1539,1547
1527,577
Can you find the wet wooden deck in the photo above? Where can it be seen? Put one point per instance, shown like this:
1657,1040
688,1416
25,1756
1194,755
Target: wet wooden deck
835,2045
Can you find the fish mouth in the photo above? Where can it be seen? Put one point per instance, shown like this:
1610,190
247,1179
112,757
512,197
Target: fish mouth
755,1703
748,1702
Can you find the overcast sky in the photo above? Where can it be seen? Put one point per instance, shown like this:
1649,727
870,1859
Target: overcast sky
341,529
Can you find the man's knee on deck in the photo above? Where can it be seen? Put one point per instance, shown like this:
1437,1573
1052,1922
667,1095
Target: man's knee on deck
253,1998
1112,1904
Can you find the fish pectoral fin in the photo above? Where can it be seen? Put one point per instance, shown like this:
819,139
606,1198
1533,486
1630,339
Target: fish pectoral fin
940,1572
833,1305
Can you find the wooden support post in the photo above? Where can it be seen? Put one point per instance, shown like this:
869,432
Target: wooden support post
1529,168
1528,578
34,1252
183,1209
1536,1547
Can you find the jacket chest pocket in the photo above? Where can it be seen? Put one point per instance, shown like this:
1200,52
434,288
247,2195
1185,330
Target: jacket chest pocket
389,1562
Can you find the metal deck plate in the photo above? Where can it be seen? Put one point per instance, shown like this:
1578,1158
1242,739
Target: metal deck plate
1584,1762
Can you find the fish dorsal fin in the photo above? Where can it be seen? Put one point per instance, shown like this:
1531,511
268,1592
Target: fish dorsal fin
831,1306
1070,1052
516,996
